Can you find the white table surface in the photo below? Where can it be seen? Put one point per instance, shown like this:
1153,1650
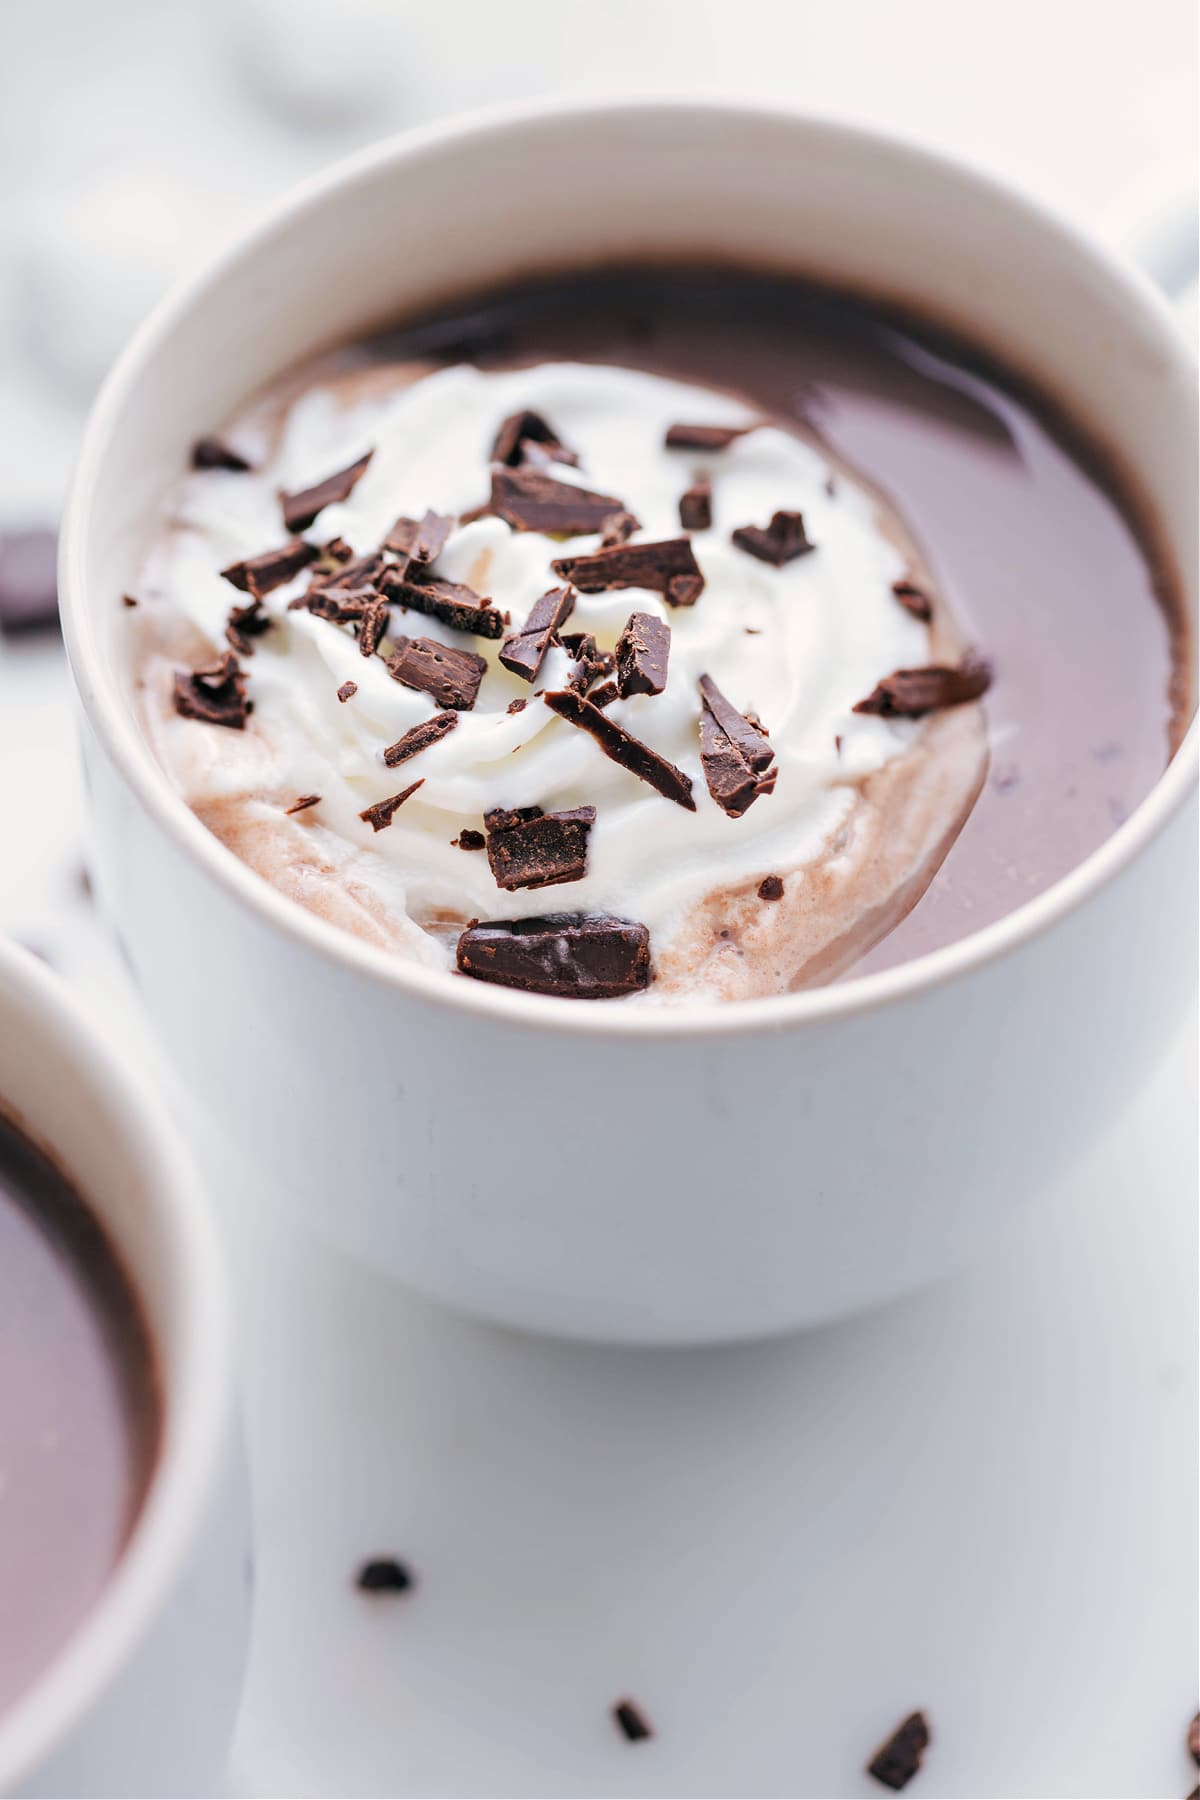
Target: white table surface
981,1501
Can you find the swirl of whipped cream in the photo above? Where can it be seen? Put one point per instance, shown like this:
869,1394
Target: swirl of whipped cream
796,645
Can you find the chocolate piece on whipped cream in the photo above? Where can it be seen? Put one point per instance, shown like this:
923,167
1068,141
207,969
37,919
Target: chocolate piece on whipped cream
668,567
449,676
703,437
523,428
303,803
259,575
216,695
347,691
372,625
419,540
695,505
468,840
618,528
643,649
419,737
914,600
770,888
895,1763
591,663
302,507
384,1575
244,624
778,543
340,605
576,956
529,848
605,694
623,748
734,752
452,602
911,693
530,500
380,816
214,453
632,1721
516,706
524,652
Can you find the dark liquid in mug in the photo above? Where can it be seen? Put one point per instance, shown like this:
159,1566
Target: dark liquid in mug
79,1412
1024,527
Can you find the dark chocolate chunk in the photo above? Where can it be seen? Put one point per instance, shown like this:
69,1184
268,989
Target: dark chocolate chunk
243,625
215,695
911,693
419,540
340,605
770,888
419,737
524,652
380,816
372,625
303,803
643,649
914,600
449,676
618,528
337,566
530,500
28,581
624,748
469,840
734,751
530,848
605,694
896,1762
302,507
452,602
384,1575
1193,1740
258,575
632,1722
521,429
347,691
591,663
576,956
704,437
695,505
215,453
668,568
779,542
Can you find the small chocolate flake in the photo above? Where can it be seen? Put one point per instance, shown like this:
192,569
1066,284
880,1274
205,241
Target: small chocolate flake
450,677
530,500
778,543
215,695
518,705
770,888
469,840
384,1575
520,430
452,602
340,605
530,848
704,437
668,568
525,651
734,752
895,1763
914,600
302,507
576,956
28,581
303,803
243,625
128,600
618,528
259,575
215,453
347,691
419,540
624,748
695,505
643,650
591,663
632,1722
380,816
1193,1740
419,737
605,694
911,693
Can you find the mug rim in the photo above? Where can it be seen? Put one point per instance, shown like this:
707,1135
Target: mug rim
113,720
196,1390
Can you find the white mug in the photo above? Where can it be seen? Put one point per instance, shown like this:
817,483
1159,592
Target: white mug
142,1698
752,1167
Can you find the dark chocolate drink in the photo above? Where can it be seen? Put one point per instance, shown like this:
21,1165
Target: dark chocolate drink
79,1412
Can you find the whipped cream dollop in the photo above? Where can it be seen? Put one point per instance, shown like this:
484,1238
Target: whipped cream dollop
796,645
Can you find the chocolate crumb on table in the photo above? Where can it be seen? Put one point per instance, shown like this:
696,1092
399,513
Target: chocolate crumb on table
380,816
632,1722
384,1575
28,581
780,542
896,1762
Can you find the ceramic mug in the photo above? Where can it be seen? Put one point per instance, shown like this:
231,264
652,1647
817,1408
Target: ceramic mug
142,1698
766,1164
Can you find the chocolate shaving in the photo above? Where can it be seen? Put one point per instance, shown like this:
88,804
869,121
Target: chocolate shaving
780,542
530,500
452,602
419,540
340,605
530,848
770,888
914,600
215,453
734,752
704,437
338,567
302,507
643,649
668,568
380,816
525,651
896,1762
303,803
244,624
215,695
632,1721
618,528
623,747
520,430
419,737
469,840
575,956
347,691
590,661
259,575
695,505
384,1575
911,693
516,706
372,625
449,676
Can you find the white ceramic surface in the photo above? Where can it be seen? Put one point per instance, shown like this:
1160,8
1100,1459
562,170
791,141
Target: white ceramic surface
916,1107
142,1699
